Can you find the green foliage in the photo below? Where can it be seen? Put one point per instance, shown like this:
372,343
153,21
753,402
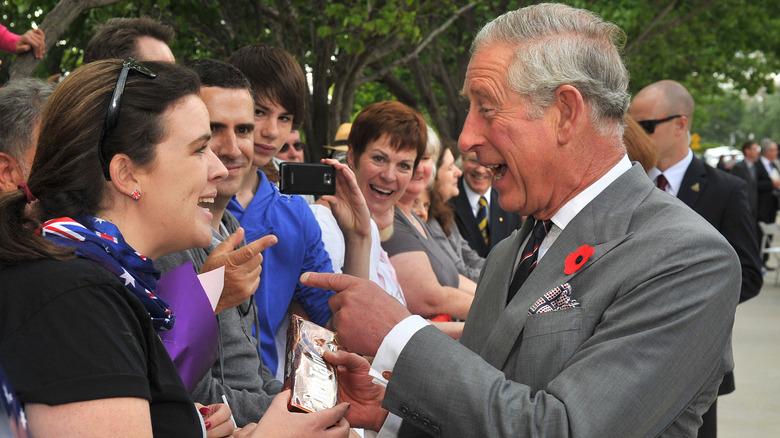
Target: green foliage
700,43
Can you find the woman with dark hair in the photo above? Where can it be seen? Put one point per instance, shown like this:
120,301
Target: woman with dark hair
441,218
120,173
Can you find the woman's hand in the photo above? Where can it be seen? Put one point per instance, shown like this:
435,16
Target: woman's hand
351,212
278,422
217,419
348,204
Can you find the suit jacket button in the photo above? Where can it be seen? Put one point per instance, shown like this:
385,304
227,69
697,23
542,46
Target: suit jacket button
426,422
435,429
415,417
404,410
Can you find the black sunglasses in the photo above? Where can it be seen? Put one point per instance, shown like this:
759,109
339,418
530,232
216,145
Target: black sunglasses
112,116
649,125
298,145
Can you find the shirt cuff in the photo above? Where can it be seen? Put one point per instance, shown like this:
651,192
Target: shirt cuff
391,347
391,426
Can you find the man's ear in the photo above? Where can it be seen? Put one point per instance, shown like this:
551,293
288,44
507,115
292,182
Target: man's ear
125,174
683,125
571,109
11,173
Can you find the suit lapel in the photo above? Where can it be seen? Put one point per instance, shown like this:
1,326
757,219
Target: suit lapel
587,228
693,183
761,174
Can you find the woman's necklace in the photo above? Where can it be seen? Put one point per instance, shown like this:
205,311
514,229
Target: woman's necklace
416,223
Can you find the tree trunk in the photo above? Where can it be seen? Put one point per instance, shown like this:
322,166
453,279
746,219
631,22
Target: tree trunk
54,25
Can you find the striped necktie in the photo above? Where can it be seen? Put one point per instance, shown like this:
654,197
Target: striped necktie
661,182
482,220
530,257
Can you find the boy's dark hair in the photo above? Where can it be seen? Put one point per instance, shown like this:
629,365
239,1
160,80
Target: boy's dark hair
275,77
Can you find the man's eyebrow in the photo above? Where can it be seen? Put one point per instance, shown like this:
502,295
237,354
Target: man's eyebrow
249,126
475,91
215,125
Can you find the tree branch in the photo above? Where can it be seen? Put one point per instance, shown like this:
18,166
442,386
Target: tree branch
420,47
647,32
54,25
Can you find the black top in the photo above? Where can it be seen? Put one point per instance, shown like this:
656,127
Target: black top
70,332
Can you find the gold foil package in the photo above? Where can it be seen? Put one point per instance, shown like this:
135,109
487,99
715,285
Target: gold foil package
312,380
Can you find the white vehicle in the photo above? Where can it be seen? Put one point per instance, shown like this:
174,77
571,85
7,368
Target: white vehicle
731,155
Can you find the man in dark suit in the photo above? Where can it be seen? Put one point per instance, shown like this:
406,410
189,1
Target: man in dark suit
756,169
768,181
744,169
608,314
665,110
474,185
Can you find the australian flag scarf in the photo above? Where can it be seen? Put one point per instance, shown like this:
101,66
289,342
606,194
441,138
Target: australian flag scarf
100,241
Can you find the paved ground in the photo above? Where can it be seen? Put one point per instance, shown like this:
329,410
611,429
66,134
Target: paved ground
753,410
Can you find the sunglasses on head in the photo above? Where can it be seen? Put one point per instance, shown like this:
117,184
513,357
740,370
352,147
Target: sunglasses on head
649,125
112,116
298,145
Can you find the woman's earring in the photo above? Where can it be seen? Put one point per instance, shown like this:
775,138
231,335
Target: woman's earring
136,195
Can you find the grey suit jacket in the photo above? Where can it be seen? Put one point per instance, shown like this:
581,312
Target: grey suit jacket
642,356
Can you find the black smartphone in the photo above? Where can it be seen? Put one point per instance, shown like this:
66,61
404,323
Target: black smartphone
307,179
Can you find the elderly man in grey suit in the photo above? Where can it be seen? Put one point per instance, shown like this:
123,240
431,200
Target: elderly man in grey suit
608,314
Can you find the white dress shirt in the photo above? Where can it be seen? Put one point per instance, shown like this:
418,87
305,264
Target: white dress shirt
674,175
473,198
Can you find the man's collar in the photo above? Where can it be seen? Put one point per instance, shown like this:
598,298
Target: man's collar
569,210
473,196
675,173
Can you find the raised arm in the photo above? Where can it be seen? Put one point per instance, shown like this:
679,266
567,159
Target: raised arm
424,295
349,208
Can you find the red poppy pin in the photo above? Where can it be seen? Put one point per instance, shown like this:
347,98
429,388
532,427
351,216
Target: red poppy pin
578,258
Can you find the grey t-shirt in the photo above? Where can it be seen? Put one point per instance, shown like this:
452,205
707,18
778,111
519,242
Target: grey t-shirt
406,238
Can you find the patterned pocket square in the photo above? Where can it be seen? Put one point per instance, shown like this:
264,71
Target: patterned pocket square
556,299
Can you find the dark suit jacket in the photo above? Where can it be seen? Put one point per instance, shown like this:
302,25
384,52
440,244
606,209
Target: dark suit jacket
766,200
741,170
500,222
721,199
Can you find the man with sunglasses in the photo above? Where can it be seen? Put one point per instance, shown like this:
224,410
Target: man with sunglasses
665,110
293,147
